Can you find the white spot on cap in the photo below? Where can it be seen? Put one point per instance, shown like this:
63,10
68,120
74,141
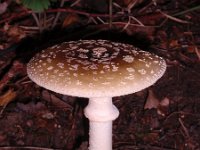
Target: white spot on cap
50,68
123,83
95,79
75,74
131,77
147,65
142,60
60,65
61,74
91,85
130,69
49,60
79,82
83,50
94,72
142,71
105,83
81,55
93,67
114,68
55,71
102,72
128,58
43,55
97,52
106,67
74,67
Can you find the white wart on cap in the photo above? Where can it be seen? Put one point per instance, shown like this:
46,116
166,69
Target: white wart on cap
95,68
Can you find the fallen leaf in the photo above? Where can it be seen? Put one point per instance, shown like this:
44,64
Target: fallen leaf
163,107
160,106
198,53
151,137
70,20
3,7
173,43
16,32
7,97
164,102
152,101
55,100
191,48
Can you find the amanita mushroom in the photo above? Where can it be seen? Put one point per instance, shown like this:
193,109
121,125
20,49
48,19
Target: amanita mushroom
98,70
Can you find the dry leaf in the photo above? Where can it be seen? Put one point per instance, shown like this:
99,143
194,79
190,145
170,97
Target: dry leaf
164,102
191,48
17,32
152,101
160,106
7,97
174,43
55,100
151,137
70,20
163,107
3,7
197,52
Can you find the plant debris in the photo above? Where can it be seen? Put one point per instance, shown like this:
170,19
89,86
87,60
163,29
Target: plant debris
163,117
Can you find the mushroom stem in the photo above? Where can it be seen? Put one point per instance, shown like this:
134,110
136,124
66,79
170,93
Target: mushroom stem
101,112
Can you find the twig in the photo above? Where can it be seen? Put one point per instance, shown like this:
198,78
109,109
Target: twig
110,13
29,28
129,145
93,20
126,25
197,52
117,5
76,2
22,79
173,18
131,5
44,21
186,11
69,10
58,14
27,147
101,20
2,109
179,113
132,24
184,128
145,7
35,18
40,23
139,22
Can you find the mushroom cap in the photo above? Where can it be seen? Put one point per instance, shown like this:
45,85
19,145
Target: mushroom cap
95,68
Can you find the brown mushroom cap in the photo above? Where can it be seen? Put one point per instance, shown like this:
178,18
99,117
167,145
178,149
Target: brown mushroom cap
95,68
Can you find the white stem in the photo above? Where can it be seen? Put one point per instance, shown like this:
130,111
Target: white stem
101,112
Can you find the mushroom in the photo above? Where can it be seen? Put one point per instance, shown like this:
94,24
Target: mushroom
98,70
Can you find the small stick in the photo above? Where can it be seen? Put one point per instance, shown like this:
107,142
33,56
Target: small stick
58,14
184,128
110,13
173,18
36,19
2,110
27,147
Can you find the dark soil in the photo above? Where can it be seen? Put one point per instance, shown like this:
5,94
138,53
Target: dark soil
35,118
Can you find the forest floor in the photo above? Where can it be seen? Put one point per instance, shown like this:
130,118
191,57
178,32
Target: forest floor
165,116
